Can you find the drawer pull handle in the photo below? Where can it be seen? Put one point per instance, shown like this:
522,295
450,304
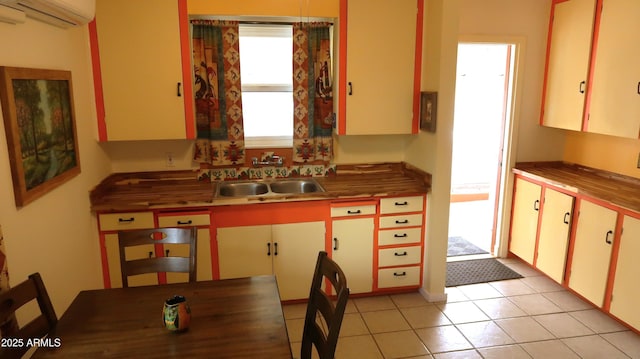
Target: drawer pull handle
350,89
401,203
536,205
182,223
400,254
606,238
402,222
126,220
275,249
566,221
335,244
166,253
401,274
353,212
179,92
403,235
581,87
150,254
268,249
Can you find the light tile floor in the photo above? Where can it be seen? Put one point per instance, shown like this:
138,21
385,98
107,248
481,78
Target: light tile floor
532,317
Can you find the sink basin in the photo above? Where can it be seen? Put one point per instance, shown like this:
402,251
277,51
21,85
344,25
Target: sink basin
261,188
240,189
296,186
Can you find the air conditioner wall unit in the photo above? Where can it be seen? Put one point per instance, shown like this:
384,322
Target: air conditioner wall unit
61,13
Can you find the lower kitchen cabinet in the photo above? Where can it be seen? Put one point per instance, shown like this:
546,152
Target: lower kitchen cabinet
553,237
352,243
289,251
591,256
524,223
626,291
200,220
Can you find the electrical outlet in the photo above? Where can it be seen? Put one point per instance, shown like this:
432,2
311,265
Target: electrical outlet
170,160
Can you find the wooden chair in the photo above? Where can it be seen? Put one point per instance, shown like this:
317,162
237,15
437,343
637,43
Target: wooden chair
158,264
12,300
322,307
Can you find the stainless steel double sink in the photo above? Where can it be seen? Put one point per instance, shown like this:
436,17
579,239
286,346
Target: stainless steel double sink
266,188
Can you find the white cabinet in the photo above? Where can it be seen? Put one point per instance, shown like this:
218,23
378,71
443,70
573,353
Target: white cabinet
615,97
592,251
141,69
626,291
568,63
200,220
400,244
109,224
524,223
289,251
553,238
352,228
380,64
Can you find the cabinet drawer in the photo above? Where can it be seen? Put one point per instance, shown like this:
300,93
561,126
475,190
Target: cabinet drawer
124,221
399,236
399,277
184,219
407,220
355,210
401,204
398,256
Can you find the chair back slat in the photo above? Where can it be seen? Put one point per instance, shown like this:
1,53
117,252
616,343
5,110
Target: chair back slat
16,297
178,235
322,307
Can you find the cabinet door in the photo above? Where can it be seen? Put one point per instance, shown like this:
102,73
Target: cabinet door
296,248
353,251
615,93
626,291
524,224
568,63
592,251
140,63
245,251
203,248
553,239
137,252
380,65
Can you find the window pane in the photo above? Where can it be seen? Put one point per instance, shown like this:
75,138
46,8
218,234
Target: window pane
266,60
267,113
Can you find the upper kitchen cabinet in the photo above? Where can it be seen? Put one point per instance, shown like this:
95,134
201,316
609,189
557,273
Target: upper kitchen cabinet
143,88
567,68
614,107
380,51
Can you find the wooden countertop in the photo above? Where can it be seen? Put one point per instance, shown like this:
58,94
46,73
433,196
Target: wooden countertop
144,190
619,190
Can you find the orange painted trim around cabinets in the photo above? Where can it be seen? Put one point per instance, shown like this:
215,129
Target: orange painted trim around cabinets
417,68
271,213
97,80
341,124
187,84
106,279
592,65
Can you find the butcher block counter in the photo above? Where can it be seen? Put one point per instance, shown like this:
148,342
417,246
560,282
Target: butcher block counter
143,190
619,190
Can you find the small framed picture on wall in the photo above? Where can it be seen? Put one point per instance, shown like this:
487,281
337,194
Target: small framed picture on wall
428,111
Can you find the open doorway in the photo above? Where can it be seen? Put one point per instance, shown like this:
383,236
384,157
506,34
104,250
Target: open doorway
484,83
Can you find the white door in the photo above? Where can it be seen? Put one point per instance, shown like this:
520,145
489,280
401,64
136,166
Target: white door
352,242
553,239
524,227
245,251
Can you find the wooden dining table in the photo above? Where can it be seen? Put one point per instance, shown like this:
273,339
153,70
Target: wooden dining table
233,318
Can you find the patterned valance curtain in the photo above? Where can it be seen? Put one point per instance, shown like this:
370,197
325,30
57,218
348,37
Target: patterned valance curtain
312,93
218,99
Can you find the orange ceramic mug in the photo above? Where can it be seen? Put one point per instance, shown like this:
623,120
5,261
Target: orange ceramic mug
176,314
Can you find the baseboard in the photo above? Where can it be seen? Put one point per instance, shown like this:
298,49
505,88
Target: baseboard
442,297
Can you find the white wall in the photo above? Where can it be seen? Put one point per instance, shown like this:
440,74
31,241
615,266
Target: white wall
56,234
447,21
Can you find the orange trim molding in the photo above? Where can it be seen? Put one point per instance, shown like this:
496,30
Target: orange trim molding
187,84
97,80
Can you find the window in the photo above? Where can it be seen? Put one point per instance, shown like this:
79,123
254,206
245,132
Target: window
267,86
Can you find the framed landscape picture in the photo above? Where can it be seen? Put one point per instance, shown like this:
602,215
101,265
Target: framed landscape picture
39,119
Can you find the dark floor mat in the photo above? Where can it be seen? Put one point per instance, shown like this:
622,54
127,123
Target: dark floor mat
458,246
477,271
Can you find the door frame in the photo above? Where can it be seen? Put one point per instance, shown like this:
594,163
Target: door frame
502,216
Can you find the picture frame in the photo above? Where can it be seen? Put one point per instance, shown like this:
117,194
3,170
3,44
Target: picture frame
428,111
40,126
